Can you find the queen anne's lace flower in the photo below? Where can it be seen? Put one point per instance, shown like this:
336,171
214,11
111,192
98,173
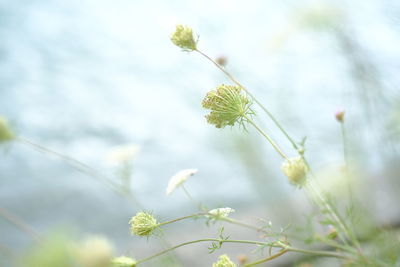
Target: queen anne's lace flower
95,251
143,224
296,170
228,106
224,261
123,154
178,179
221,212
183,37
123,262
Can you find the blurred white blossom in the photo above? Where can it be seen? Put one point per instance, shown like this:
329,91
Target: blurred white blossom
178,179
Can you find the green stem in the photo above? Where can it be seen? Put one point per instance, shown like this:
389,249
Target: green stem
221,241
198,241
80,166
270,140
253,97
182,218
280,253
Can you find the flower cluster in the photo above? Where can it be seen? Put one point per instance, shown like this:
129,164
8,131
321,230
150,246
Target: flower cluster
296,170
221,212
123,262
178,179
224,261
183,37
228,105
143,224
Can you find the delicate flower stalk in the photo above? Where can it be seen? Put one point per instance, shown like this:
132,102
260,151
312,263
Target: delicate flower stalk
6,133
143,224
224,261
228,106
183,38
178,179
123,262
296,171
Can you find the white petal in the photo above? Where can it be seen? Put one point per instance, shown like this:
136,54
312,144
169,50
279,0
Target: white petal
178,179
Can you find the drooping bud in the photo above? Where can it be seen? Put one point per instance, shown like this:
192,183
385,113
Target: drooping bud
339,115
228,106
224,261
123,262
296,170
332,233
143,224
183,37
5,132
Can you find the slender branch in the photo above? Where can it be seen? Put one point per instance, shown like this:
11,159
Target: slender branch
270,140
280,253
80,166
198,241
182,218
20,224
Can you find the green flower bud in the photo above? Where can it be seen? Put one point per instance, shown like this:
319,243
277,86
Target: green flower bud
228,106
143,224
123,262
224,261
296,170
183,37
5,132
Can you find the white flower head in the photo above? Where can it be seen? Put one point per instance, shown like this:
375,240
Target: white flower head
123,154
221,212
178,179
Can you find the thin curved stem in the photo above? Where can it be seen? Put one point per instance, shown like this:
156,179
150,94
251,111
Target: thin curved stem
80,166
280,253
198,241
182,218
20,224
270,140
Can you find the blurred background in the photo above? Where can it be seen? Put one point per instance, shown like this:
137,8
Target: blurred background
100,81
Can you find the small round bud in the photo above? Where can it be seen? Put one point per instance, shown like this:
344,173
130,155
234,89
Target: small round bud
242,258
228,105
296,170
123,262
224,261
332,233
221,60
183,37
5,132
143,224
339,115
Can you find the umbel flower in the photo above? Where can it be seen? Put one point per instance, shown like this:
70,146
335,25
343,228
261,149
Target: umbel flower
228,106
178,179
296,170
183,37
123,262
5,132
224,261
143,224
221,212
